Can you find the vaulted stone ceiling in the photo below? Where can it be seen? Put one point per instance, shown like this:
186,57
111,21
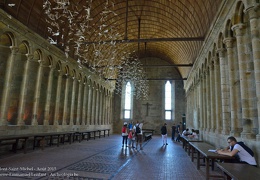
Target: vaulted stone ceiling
173,30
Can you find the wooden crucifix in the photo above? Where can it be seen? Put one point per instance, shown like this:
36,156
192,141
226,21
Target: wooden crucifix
147,107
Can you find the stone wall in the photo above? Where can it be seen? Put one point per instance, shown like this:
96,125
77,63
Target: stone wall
154,117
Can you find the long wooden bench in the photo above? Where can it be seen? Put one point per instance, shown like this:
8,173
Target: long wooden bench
40,140
238,171
147,134
104,132
14,141
203,148
149,130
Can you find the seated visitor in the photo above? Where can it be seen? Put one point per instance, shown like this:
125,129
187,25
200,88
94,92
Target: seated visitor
239,150
186,132
193,134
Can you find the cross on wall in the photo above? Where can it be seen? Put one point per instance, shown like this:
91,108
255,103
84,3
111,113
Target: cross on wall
147,107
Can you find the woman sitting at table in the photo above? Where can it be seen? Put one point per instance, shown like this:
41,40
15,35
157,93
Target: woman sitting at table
239,149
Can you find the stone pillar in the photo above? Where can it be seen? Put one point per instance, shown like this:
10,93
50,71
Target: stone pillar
72,106
105,108
200,84
84,106
66,99
204,108
57,103
235,106
208,113
22,100
212,96
254,29
217,95
48,98
37,95
89,110
93,104
79,105
224,92
97,120
7,86
100,107
243,57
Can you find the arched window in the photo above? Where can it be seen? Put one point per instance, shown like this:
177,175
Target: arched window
128,101
168,101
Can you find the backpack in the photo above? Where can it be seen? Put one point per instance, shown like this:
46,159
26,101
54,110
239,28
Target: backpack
137,130
124,130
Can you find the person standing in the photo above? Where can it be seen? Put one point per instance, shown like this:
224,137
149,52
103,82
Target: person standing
173,131
131,138
124,134
179,131
139,135
164,134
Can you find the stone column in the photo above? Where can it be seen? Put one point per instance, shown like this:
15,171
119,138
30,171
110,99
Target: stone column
22,100
72,106
212,96
217,95
89,110
93,104
254,29
97,120
7,86
84,106
243,57
37,95
105,108
224,92
57,103
204,108
79,105
200,84
234,89
66,99
48,98
208,113
100,107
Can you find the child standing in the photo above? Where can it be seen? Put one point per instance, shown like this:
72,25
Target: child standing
131,138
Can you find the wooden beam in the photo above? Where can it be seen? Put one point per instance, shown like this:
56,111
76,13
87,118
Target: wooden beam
157,79
149,40
171,65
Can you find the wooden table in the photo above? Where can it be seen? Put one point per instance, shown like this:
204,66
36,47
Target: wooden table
16,139
239,171
42,137
202,149
186,140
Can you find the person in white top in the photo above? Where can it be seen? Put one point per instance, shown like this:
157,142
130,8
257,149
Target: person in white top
244,153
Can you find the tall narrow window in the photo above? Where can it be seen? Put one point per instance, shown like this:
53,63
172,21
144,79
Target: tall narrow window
128,101
168,101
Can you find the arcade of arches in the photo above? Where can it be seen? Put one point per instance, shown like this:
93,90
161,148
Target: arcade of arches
41,91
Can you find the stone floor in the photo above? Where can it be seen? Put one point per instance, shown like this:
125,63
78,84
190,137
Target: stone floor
102,159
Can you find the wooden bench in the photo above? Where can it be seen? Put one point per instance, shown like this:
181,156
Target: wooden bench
149,130
147,134
41,139
202,149
14,141
104,132
239,171
81,135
